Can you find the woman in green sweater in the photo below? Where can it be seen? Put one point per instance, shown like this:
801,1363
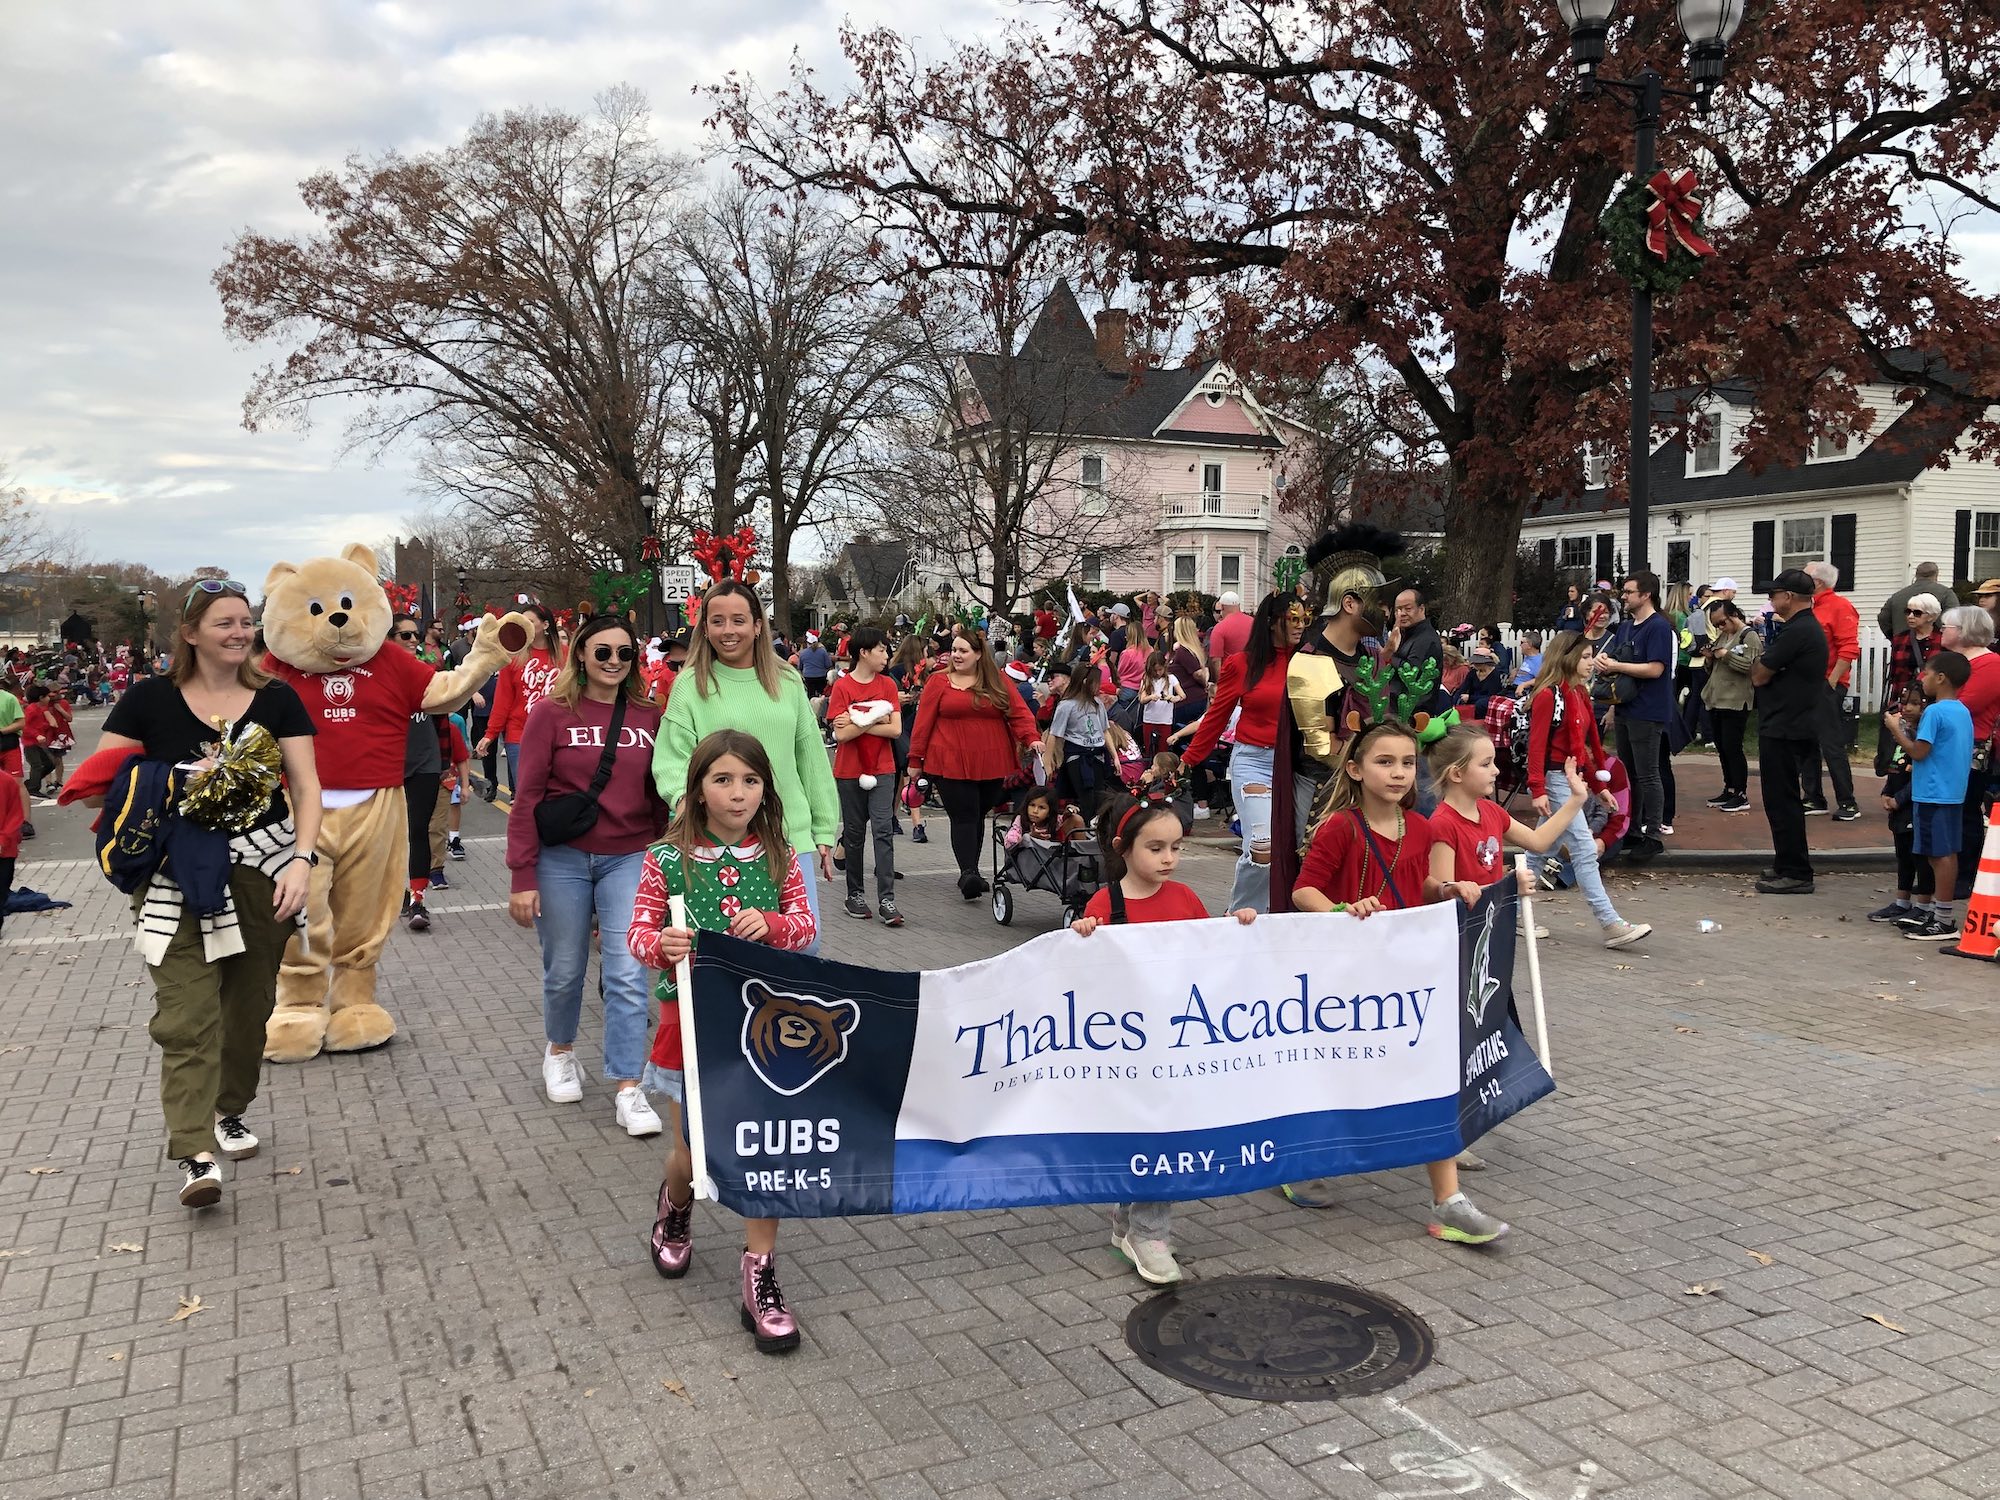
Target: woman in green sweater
734,680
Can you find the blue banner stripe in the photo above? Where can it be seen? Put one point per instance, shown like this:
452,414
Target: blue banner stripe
931,1176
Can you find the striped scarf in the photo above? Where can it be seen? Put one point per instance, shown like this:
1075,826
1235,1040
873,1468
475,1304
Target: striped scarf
268,849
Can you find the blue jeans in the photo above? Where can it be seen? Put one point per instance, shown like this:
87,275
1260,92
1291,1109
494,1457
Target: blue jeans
513,767
1252,765
1581,848
575,886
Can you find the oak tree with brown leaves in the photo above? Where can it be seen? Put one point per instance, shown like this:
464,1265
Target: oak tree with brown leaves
1410,190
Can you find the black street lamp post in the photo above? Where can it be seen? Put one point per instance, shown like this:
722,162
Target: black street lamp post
1708,26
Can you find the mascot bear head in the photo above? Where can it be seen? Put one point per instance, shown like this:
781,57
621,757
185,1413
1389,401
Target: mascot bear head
326,614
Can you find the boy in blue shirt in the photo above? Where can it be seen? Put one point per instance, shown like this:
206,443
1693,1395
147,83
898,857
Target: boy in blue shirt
1940,764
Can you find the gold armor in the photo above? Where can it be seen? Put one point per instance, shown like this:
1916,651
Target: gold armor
1314,685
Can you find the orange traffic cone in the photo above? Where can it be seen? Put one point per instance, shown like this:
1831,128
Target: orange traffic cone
1980,936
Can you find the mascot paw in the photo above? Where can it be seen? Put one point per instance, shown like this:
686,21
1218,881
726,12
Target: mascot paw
294,1035
509,633
356,1028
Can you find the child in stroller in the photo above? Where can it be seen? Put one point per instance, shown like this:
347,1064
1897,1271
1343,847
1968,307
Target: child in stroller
1044,849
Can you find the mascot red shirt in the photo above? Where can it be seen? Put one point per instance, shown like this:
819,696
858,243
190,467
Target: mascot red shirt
363,716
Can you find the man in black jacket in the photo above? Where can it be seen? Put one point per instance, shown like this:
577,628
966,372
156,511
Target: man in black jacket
1790,680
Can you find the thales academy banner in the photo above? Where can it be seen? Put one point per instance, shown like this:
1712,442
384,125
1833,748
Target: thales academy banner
1168,1061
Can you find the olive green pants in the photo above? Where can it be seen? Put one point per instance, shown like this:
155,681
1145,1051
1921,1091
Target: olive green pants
208,1018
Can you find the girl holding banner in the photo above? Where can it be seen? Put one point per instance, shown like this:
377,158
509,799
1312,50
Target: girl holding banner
1373,853
1141,839
726,857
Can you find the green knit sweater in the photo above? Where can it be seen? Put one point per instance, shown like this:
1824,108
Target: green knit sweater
784,726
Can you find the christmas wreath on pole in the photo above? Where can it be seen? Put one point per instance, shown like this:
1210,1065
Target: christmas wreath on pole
1654,231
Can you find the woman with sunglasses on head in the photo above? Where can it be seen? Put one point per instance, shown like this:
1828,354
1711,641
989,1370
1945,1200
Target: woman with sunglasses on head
522,685
569,866
213,991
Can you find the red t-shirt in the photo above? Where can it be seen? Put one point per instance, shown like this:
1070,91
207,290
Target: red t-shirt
1477,848
865,754
1981,696
361,716
1230,636
1333,865
1172,902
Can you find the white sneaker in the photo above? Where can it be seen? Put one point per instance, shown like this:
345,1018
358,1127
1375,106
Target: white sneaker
1540,931
1152,1259
1619,934
635,1114
562,1077
233,1138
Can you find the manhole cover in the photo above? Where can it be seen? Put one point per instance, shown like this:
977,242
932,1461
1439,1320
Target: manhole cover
1278,1338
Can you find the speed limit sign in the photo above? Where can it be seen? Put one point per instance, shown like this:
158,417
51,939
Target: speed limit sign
677,582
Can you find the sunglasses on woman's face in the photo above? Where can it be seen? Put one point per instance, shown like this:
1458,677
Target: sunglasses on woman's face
407,635
608,653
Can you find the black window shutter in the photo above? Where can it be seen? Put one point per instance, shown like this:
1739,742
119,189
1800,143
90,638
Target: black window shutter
1961,546
1843,552
1545,553
1763,549
1606,557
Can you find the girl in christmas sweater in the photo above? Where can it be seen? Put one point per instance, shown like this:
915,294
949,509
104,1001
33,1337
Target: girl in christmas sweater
726,856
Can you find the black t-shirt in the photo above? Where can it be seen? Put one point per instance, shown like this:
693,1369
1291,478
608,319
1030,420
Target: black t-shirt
1789,704
154,713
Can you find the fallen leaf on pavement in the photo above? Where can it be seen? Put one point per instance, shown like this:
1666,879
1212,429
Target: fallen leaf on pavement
1701,1289
1760,1257
10,1254
674,1387
4,1050
1687,1031
116,1356
293,1171
1623,968
125,1247
588,1393
728,1374
43,1171
1892,1327
189,1307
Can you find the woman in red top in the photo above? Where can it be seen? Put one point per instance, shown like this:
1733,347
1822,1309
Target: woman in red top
1372,854
523,684
1254,679
1562,728
1968,630
972,728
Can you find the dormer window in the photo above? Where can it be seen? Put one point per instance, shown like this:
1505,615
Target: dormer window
1705,457
1596,466
1829,446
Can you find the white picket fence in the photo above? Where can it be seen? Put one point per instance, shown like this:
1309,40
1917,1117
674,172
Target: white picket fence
1873,675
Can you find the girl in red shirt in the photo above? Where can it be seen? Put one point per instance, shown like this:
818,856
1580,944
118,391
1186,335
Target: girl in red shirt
864,712
1254,679
1561,728
1373,853
1141,839
1471,828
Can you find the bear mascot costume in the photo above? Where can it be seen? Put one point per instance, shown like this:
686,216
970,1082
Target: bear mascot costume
326,622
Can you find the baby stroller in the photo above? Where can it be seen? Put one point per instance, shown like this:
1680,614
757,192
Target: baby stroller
1070,870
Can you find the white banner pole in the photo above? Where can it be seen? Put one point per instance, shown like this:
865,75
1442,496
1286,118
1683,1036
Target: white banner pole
1534,968
690,1072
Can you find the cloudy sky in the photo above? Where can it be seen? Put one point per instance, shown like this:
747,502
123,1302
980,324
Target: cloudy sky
142,137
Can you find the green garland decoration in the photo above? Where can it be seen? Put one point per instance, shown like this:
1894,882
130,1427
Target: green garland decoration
619,593
1623,225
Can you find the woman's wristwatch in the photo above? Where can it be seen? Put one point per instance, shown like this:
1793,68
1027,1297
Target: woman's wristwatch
311,857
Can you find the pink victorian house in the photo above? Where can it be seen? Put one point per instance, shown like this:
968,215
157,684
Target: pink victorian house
1165,479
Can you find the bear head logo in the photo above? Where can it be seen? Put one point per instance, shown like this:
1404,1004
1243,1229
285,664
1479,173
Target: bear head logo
794,1040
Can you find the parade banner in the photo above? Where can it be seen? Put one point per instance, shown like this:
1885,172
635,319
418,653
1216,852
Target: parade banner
1167,1061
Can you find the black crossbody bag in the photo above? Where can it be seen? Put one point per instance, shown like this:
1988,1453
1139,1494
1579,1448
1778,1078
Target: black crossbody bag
558,820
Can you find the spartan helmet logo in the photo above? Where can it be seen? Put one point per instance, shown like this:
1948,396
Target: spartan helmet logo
1480,985
339,688
794,1040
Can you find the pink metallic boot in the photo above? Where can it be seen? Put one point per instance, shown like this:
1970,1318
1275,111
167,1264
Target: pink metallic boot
673,1236
771,1323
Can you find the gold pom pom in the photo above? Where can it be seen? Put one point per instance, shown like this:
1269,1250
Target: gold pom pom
230,793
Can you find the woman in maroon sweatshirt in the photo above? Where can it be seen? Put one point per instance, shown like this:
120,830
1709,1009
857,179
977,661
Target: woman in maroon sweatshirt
558,888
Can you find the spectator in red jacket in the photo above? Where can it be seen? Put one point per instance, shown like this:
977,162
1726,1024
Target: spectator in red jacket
13,817
971,732
1842,624
523,684
35,736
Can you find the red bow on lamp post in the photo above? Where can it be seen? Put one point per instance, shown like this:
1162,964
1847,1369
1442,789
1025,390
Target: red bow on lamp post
1674,211
649,550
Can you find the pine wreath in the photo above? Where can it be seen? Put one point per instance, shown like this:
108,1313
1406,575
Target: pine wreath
1623,224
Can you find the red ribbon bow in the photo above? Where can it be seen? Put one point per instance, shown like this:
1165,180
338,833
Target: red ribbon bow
1674,211
649,549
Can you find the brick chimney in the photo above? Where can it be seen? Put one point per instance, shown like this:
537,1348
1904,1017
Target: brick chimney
1113,325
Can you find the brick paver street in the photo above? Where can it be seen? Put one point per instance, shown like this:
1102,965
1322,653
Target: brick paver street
433,1282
